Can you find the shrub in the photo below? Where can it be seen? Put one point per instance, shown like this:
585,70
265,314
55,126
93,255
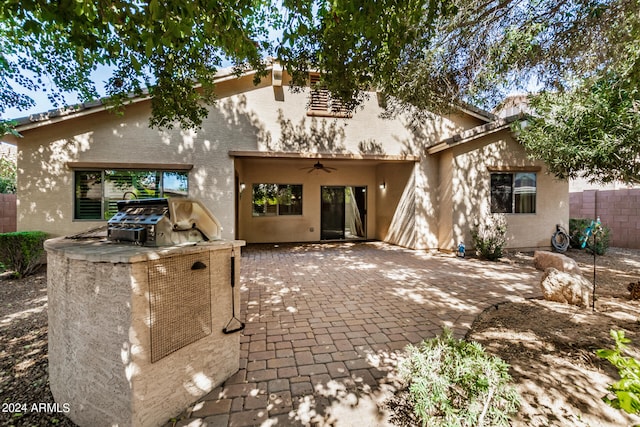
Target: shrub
627,390
490,237
577,229
7,176
455,383
22,251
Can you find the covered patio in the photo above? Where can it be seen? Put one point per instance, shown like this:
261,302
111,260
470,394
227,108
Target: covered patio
327,323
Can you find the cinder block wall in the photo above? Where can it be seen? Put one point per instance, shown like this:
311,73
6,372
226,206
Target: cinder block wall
618,209
7,213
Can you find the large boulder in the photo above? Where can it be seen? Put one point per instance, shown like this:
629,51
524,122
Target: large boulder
545,259
566,288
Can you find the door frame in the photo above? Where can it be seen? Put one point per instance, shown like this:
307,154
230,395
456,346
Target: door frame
363,213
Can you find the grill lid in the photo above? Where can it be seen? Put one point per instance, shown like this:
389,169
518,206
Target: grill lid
160,222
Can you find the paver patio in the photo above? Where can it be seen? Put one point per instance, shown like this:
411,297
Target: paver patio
326,323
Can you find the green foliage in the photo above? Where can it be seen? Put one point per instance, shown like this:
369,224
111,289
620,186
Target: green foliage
421,53
455,383
490,237
591,131
577,231
7,176
173,49
627,390
22,251
430,54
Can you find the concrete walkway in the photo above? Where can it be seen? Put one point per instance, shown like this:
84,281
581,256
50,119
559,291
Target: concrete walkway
326,325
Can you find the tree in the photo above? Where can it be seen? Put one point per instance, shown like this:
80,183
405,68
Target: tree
425,55
428,55
7,176
592,131
172,49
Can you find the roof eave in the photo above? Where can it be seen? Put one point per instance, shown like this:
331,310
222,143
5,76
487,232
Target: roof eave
473,134
476,112
46,118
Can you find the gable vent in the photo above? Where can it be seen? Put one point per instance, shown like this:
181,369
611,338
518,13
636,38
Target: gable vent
321,103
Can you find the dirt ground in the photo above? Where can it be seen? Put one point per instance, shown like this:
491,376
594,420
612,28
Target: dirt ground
549,346
23,354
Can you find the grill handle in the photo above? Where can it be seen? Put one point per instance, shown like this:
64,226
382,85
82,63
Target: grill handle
198,265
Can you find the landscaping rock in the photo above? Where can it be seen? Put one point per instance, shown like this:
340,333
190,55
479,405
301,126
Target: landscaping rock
545,259
566,288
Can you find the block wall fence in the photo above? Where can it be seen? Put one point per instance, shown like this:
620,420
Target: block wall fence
7,213
618,209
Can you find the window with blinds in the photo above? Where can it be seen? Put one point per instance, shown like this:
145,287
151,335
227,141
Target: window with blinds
97,192
321,102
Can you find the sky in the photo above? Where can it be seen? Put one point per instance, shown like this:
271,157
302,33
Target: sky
43,104
100,76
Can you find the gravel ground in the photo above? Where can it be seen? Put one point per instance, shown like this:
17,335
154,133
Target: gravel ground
551,346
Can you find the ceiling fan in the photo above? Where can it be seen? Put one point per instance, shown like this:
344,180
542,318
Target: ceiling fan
319,166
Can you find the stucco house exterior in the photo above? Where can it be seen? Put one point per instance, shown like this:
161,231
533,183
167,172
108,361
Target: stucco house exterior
280,166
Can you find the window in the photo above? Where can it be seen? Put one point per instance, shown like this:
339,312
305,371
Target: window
277,199
321,103
513,192
98,191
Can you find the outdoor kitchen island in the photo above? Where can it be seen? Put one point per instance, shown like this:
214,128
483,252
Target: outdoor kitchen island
135,332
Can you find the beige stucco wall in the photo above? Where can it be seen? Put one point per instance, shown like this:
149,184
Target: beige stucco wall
262,118
395,205
305,227
45,182
100,331
445,211
468,166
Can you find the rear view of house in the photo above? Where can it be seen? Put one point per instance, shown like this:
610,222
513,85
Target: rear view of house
281,166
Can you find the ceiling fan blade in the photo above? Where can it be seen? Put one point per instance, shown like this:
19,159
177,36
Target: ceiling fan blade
326,170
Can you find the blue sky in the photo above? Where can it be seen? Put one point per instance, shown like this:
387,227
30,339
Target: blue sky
100,76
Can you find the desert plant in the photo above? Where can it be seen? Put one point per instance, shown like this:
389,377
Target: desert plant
455,383
627,390
489,237
22,252
577,230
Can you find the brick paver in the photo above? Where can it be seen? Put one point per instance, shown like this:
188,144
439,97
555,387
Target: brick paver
326,325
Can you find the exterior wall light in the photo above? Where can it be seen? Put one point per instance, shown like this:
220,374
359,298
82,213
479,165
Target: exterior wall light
241,187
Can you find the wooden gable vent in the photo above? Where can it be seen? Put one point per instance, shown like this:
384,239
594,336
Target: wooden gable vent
321,103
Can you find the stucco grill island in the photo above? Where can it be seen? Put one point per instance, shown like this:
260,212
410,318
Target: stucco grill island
143,323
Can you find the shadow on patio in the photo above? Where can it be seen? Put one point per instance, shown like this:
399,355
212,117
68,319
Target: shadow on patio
326,325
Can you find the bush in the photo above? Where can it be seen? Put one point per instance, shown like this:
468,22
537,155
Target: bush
7,176
577,229
627,390
22,251
489,238
455,383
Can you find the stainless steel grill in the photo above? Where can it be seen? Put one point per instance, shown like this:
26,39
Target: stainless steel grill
162,222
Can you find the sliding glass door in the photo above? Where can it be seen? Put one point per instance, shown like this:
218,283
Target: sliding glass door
343,213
